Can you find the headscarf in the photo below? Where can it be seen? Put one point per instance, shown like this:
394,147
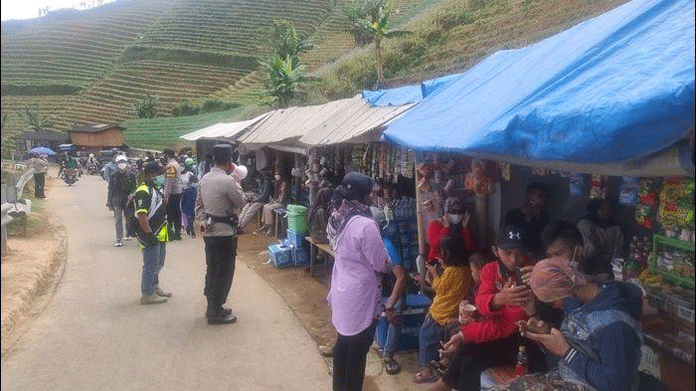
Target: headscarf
554,279
451,201
322,201
349,197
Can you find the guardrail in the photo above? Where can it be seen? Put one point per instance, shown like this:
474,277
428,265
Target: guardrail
13,207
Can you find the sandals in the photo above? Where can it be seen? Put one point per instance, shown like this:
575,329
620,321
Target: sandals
421,377
391,366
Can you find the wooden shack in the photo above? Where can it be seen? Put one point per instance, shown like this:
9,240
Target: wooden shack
29,139
95,137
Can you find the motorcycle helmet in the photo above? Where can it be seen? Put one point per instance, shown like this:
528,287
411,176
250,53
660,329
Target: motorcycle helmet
91,155
189,162
121,158
240,172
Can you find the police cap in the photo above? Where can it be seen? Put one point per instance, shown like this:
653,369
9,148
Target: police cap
222,152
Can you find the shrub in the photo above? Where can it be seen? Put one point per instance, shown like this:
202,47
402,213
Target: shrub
447,20
211,105
185,109
146,107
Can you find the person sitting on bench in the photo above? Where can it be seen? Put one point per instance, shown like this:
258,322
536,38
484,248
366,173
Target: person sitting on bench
282,193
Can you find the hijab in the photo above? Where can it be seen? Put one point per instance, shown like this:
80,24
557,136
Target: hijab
349,198
593,207
555,279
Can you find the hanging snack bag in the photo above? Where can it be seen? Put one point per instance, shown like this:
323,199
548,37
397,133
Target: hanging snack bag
629,191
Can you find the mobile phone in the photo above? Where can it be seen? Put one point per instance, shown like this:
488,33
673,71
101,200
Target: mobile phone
518,277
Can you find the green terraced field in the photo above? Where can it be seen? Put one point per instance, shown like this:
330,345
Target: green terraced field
160,133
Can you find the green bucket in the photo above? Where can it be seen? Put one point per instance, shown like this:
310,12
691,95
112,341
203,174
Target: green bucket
297,218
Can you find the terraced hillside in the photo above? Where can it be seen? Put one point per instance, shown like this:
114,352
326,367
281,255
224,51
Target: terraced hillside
106,58
91,66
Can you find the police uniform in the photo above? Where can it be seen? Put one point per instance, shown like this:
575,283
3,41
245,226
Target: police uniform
219,197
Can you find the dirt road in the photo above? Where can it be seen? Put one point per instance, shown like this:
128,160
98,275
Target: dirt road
94,335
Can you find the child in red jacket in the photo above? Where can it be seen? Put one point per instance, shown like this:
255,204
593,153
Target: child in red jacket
501,302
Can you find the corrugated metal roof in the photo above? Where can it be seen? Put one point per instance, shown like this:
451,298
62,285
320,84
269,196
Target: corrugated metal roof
95,128
227,130
287,125
357,121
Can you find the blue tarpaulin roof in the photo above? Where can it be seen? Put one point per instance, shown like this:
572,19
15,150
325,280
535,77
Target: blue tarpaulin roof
614,88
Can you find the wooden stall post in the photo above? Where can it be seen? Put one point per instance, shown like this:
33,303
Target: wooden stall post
420,261
481,202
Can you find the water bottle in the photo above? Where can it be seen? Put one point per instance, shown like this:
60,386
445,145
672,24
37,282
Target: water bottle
521,368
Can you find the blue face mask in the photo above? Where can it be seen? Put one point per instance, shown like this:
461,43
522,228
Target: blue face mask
159,181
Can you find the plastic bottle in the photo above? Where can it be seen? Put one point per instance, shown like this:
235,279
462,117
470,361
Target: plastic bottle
521,368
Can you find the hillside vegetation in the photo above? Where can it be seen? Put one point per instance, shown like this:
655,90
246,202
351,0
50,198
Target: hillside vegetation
92,65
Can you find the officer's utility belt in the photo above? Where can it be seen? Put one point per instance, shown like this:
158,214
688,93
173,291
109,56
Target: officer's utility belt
231,220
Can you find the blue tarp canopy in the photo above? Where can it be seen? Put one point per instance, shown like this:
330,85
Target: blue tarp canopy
615,88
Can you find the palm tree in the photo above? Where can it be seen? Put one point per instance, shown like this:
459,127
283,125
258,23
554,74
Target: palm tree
378,12
285,41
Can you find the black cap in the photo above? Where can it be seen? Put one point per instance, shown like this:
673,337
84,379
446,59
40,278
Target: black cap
152,167
222,152
510,238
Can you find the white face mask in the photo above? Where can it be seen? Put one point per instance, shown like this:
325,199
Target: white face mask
455,219
122,166
277,177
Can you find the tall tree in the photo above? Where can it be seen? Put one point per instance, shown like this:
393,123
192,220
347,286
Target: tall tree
283,78
369,20
146,107
284,73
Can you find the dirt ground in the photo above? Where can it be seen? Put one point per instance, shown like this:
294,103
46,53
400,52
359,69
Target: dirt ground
31,266
307,298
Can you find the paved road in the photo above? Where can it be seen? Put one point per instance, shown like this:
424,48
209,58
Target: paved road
95,336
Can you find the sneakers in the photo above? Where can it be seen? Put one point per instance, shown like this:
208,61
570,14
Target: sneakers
118,243
152,298
159,292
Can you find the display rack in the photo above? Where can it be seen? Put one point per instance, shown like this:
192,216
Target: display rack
658,242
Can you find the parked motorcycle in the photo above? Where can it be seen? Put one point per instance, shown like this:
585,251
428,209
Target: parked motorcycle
92,169
70,176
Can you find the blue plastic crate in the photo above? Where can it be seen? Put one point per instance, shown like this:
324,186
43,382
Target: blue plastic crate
300,256
281,255
413,317
296,239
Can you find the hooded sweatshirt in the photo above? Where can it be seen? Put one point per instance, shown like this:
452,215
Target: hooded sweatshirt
605,339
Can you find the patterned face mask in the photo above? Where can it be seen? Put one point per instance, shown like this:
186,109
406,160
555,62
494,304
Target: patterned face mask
159,181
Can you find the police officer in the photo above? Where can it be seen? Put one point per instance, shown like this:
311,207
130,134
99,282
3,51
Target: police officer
219,196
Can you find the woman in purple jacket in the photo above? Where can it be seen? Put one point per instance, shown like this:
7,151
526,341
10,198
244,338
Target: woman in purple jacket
355,295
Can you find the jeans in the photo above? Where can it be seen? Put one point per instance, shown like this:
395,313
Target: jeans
153,261
39,181
118,216
220,254
350,358
394,330
174,213
189,223
248,212
429,339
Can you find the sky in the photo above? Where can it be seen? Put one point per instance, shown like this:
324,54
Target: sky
27,9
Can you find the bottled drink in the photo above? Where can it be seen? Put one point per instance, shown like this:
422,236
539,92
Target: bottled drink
521,366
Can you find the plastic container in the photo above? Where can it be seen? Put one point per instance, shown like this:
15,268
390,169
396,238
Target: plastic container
297,218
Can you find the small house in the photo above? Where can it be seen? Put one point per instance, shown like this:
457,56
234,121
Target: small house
95,137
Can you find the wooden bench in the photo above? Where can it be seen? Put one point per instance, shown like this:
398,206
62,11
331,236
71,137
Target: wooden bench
313,249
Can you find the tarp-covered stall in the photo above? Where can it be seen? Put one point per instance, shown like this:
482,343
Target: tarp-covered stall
611,90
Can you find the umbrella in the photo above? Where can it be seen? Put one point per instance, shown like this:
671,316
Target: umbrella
42,151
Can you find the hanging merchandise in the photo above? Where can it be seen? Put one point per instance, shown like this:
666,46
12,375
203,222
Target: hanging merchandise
598,190
676,210
629,191
477,181
538,171
576,185
647,197
504,171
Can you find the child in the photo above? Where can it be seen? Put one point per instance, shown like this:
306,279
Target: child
188,204
450,289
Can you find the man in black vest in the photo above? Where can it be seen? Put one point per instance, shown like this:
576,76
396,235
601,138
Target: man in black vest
219,197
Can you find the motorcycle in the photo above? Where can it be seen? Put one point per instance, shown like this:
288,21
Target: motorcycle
70,176
92,169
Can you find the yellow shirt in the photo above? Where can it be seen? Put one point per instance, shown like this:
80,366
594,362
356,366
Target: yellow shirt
450,289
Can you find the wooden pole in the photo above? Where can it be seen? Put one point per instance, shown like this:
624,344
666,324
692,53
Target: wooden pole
481,202
420,261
